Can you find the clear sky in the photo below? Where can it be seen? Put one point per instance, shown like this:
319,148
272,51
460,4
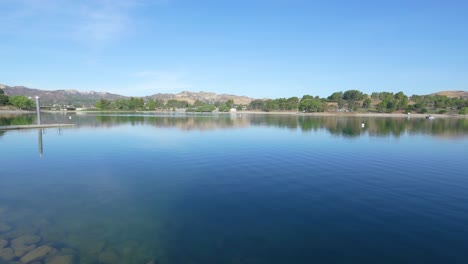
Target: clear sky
274,48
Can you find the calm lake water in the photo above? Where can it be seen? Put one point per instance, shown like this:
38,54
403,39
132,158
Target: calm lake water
188,189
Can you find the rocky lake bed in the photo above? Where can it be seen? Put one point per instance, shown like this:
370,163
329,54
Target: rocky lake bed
39,242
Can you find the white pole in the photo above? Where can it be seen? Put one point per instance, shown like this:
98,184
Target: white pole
38,111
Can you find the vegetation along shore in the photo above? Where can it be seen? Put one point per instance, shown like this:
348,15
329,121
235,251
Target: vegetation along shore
353,102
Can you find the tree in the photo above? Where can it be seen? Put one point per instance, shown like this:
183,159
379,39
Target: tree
375,95
309,104
103,104
230,103
353,95
367,103
256,104
172,103
271,105
135,103
335,97
223,108
293,103
198,103
151,105
121,104
22,102
3,99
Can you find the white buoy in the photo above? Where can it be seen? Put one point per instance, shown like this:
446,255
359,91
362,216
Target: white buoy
69,117
363,125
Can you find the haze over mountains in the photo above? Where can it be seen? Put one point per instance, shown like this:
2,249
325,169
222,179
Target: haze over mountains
74,97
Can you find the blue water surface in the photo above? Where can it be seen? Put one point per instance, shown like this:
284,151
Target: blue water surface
145,188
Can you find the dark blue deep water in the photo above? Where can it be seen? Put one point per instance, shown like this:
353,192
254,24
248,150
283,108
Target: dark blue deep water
234,189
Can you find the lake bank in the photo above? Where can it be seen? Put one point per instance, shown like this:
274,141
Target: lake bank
343,114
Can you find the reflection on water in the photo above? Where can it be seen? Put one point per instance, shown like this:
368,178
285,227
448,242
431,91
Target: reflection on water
39,142
347,126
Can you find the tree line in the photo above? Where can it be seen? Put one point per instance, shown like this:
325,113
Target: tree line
347,101
139,104
355,100
18,101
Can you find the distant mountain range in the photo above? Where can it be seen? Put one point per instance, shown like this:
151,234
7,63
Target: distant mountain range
74,97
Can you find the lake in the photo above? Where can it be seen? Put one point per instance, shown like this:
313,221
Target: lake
242,188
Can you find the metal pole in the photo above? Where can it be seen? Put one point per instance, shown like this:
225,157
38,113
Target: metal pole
38,110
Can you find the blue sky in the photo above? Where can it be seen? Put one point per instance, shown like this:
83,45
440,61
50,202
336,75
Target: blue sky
256,48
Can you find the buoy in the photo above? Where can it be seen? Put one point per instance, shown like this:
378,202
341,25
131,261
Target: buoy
363,125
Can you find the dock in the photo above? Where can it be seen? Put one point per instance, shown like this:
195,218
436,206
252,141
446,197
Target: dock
34,126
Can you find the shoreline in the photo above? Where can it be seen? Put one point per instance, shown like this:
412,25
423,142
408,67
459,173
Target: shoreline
296,113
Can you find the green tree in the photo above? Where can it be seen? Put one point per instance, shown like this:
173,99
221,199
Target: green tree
293,103
136,103
121,104
367,103
22,102
223,108
309,104
335,97
256,104
353,95
103,104
174,104
3,99
198,103
151,105
271,105
399,96
375,95
230,103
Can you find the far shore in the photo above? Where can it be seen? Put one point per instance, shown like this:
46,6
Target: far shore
341,114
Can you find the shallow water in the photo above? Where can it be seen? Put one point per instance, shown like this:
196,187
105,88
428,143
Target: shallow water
175,188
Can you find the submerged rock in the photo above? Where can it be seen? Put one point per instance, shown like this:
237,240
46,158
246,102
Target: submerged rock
3,243
37,254
23,249
25,240
108,257
68,259
24,244
4,227
7,253
67,251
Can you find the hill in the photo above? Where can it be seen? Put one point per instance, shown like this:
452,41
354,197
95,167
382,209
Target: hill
74,97
453,94
60,97
205,97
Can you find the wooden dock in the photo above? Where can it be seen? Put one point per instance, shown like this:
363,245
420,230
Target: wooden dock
34,126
